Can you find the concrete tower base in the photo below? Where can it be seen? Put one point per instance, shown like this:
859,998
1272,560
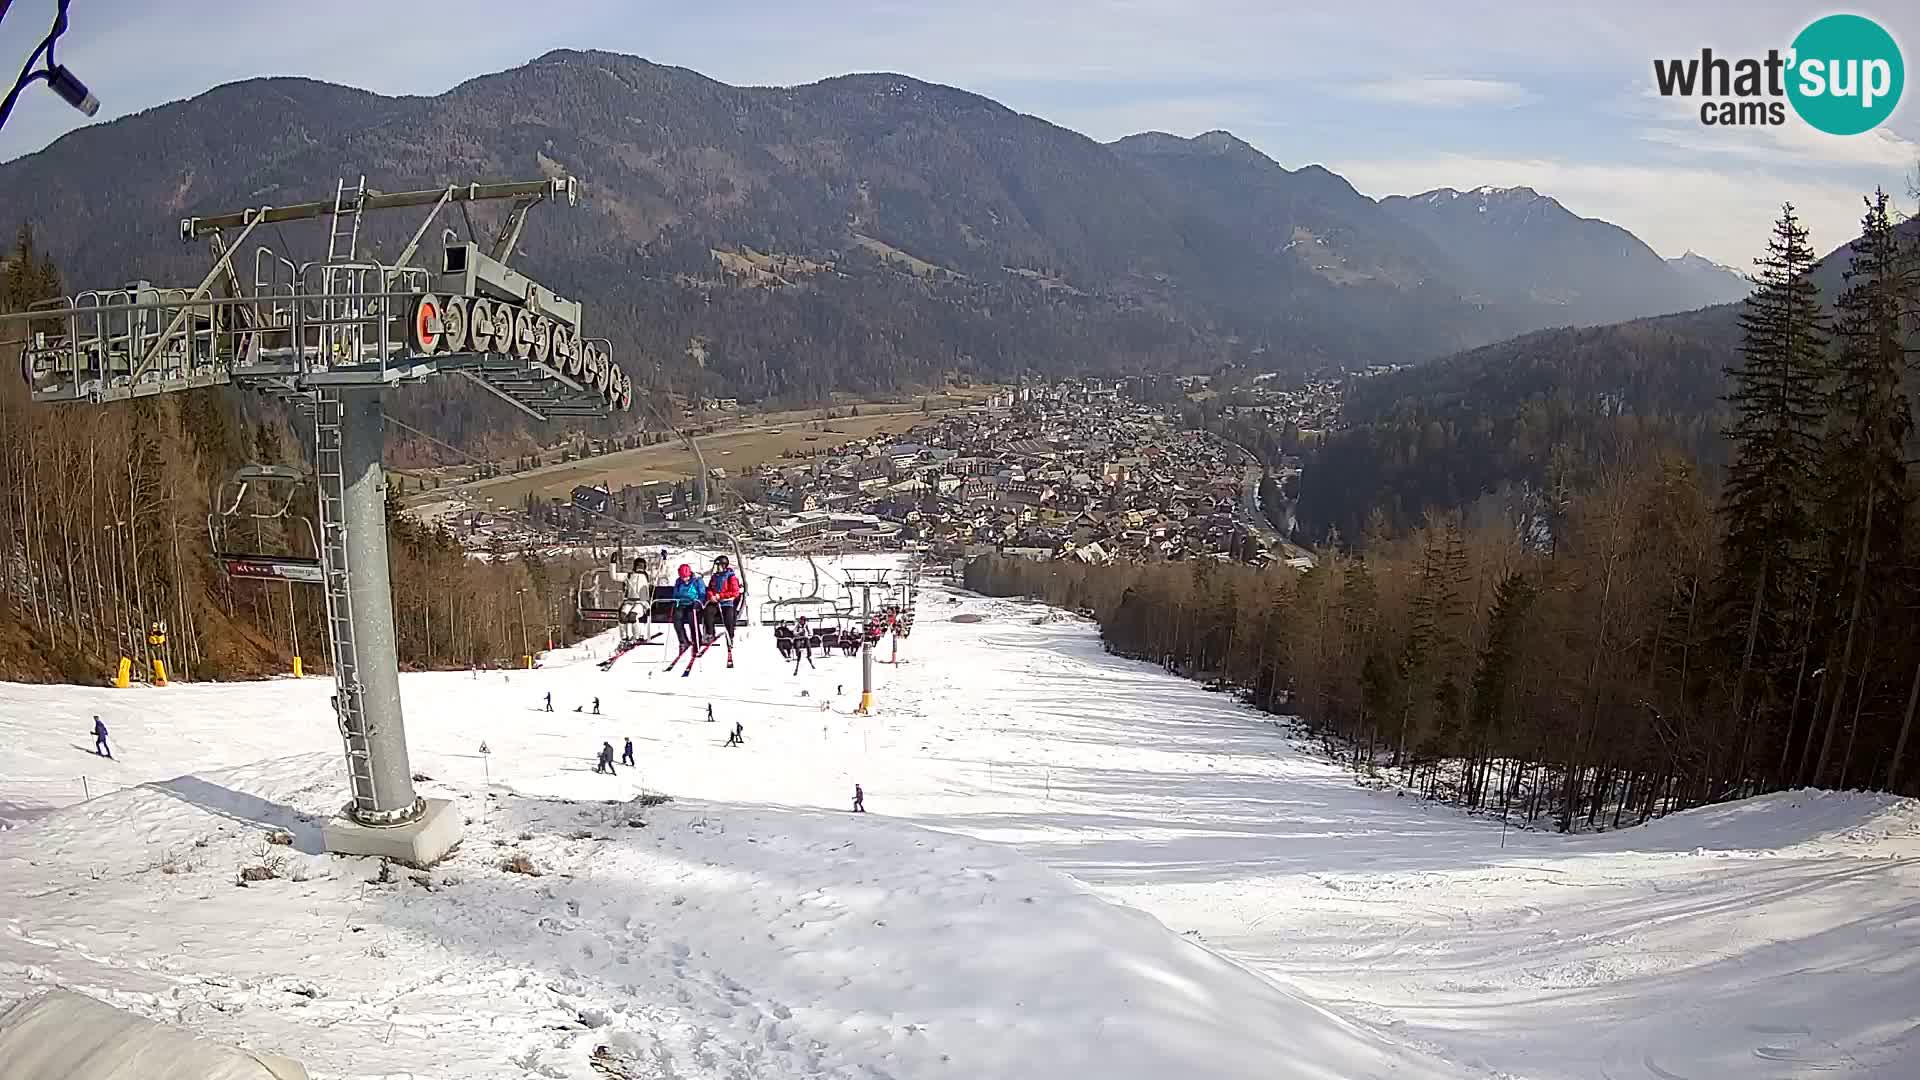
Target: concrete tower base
419,843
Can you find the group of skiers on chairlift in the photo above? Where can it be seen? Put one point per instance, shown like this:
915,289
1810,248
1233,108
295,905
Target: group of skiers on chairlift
801,638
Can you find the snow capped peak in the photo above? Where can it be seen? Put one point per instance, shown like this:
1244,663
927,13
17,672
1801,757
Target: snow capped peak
1693,258
1512,194
1485,193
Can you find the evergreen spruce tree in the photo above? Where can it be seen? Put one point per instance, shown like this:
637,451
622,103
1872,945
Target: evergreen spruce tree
1492,687
1863,476
1771,491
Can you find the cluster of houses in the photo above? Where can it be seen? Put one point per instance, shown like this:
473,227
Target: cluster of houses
1310,407
1081,469
1074,470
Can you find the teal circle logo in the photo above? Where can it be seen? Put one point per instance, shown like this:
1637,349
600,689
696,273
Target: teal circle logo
1846,75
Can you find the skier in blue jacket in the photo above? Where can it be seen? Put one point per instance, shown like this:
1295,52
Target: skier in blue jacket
689,596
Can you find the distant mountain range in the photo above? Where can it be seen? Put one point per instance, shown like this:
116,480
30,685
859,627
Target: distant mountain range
1515,246
867,232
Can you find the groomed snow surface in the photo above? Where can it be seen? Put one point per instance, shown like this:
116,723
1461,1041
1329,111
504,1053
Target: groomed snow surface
1073,866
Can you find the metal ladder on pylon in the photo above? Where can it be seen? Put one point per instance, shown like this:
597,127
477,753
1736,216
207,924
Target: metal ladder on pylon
341,341
343,234
330,476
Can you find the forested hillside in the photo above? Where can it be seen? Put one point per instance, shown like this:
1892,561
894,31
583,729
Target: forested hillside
1617,632
1526,415
1522,414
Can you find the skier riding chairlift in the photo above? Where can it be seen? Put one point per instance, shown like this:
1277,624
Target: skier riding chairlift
636,602
689,596
726,592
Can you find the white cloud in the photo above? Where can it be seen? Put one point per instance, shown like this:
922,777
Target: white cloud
1720,213
1446,93
1793,143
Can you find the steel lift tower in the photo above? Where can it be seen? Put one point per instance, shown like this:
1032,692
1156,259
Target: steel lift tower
328,337
866,580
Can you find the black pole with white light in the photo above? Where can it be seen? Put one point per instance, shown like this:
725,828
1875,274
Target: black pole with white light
58,79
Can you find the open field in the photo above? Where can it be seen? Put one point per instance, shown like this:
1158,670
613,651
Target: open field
763,438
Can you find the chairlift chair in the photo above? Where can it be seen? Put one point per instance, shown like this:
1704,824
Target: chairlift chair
777,610
591,598
270,483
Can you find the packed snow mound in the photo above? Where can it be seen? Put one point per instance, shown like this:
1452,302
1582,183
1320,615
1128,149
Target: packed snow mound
59,1034
1806,822
687,939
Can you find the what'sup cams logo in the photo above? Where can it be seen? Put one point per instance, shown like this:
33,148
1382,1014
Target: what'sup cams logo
1842,75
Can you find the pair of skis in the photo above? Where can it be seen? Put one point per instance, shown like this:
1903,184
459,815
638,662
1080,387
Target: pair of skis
693,652
607,664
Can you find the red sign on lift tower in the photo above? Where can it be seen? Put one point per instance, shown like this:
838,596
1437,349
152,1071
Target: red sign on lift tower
302,570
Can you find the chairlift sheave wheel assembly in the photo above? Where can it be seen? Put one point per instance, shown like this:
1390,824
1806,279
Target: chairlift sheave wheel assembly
542,340
565,351
455,326
480,320
425,327
522,341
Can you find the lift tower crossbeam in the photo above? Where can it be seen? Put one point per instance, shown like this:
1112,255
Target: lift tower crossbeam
329,337
194,228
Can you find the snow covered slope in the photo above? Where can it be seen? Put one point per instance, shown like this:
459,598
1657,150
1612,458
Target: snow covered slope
751,927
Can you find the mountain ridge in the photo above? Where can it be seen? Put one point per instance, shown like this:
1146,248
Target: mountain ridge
961,235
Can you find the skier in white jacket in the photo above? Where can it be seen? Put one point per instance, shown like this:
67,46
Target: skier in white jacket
638,600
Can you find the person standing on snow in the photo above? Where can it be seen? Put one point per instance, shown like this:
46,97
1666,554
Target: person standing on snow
596,706
549,701
709,712
859,800
626,756
100,746
605,764
689,596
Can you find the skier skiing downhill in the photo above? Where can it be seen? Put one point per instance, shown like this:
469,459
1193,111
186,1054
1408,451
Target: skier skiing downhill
725,590
689,596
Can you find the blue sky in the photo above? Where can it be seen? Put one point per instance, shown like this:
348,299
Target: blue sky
1399,96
